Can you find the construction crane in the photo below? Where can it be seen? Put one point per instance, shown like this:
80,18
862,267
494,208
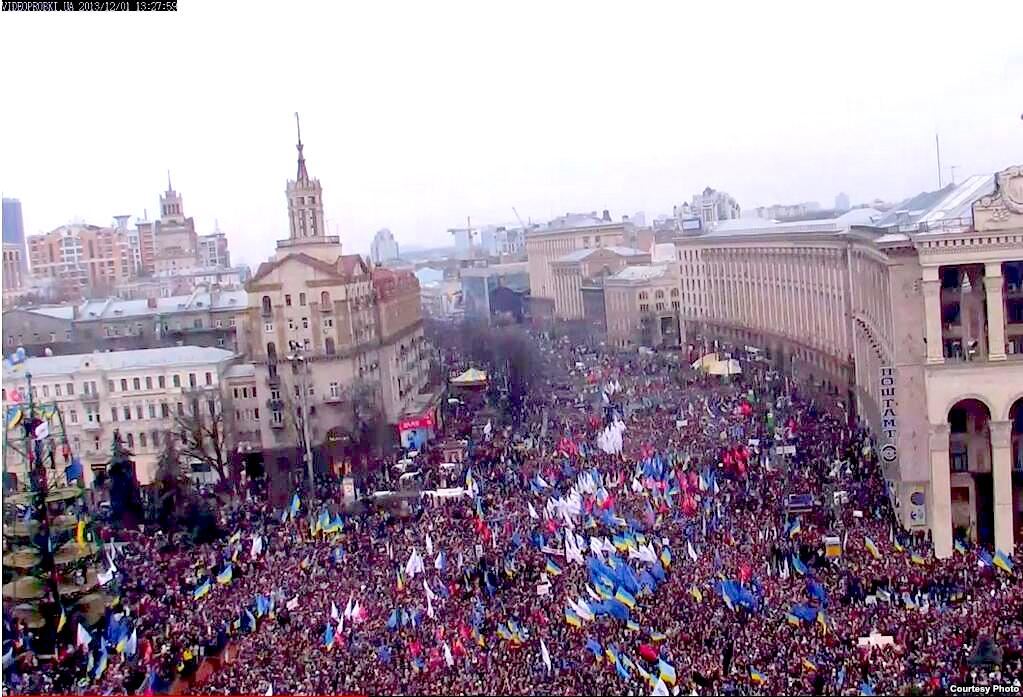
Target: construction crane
519,218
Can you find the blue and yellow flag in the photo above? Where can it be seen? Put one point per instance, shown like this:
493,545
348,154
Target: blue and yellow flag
667,671
871,547
960,547
809,665
225,576
202,590
632,626
1003,562
756,677
696,593
791,619
572,618
917,559
625,598
552,568
666,557
295,504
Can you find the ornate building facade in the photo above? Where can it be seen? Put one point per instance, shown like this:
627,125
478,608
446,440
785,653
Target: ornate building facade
330,338
914,322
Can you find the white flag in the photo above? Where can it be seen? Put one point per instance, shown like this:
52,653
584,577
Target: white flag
292,604
448,658
660,689
690,550
545,655
334,614
105,577
348,608
533,513
429,545
257,546
430,595
429,607
269,690
84,638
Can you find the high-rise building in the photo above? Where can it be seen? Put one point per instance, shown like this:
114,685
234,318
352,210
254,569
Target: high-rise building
384,248
332,340
14,263
463,242
14,234
13,225
842,202
169,244
213,251
711,207
81,258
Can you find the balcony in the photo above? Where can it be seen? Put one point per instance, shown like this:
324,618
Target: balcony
91,425
274,404
274,423
90,397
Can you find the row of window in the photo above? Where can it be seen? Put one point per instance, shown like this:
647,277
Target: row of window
161,382
89,387
243,392
20,339
250,414
658,294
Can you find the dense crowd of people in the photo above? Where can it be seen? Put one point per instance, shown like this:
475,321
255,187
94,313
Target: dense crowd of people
685,558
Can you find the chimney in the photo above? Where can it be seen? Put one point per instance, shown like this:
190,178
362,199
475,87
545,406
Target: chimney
607,215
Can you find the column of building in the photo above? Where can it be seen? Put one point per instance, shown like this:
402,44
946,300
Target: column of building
932,314
941,492
1001,471
993,283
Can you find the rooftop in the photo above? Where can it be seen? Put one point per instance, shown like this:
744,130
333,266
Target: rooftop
758,226
931,208
581,254
114,308
171,356
639,273
495,269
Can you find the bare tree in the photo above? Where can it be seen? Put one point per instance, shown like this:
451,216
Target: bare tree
208,433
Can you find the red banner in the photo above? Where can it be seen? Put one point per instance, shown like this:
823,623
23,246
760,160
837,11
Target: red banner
411,422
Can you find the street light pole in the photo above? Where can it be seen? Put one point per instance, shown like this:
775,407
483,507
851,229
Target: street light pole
299,364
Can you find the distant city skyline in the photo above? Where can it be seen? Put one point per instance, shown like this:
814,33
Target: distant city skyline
500,129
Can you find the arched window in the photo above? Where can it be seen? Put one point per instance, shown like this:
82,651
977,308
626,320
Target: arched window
271,352
324,300
659,294
674,292
328,346
266,304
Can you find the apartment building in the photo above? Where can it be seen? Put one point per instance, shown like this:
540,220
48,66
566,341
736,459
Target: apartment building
145,394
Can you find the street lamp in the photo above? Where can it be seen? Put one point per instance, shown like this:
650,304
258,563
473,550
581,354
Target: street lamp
297,359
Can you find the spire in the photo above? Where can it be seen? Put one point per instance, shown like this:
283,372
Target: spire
303,175
169,187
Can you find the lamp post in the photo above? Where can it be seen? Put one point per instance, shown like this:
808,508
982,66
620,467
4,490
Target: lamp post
300,365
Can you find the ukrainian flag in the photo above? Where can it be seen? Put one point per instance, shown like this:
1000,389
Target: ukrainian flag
632,626
871,547
603,592
625,598
62,621
552,568
122,644
756,677
960,547
225,576
822,620
697,595
401,579
611,654
480,641
658,636
898,547
666,557
503,632
295,504
795,528
791,619
798,566
572,618
619,543
667,672
1003,562
201,591
917,559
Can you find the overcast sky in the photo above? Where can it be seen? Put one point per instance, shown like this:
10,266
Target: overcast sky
416,115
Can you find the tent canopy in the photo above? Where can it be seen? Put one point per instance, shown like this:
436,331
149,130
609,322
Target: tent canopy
729,367
470,377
